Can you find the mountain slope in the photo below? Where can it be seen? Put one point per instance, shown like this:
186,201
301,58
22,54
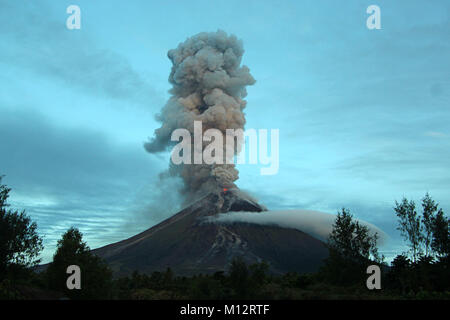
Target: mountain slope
190,242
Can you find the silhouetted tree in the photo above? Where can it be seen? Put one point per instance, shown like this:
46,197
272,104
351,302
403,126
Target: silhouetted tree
206,287
410,226
239,277
429,231
351,249
399,274
441,237
20,243
430,208
258,274
353,240
168,278
96,277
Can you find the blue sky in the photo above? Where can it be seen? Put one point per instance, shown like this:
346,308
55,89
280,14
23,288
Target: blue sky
363,114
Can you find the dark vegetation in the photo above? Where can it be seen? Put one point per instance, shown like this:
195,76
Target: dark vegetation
420,273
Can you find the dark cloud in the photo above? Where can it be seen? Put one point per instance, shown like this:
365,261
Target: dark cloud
73,176
35,149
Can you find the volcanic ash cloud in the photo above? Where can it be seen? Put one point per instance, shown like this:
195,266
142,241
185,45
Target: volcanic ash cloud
209,85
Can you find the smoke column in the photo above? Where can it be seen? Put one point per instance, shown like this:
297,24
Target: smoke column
209,85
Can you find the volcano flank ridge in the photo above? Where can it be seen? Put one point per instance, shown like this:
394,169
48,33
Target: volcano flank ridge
192,241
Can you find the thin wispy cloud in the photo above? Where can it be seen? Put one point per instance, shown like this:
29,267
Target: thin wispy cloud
34,40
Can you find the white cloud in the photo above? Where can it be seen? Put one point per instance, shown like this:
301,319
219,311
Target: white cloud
316,223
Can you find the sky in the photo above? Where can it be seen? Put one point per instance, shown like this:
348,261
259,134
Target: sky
363,114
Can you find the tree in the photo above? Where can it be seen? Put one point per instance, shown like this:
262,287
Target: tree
429,211
400,274
351,249
247,280
410,226
258,273
96,277
352,240
20,243
441,237
429,231
239,276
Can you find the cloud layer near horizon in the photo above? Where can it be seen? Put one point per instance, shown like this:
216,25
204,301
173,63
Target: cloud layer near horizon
315,223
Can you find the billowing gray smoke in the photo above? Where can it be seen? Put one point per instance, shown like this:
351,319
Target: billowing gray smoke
208,86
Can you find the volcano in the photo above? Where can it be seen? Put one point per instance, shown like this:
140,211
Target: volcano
192,242
208,89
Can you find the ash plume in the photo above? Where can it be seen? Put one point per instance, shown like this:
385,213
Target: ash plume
208,85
